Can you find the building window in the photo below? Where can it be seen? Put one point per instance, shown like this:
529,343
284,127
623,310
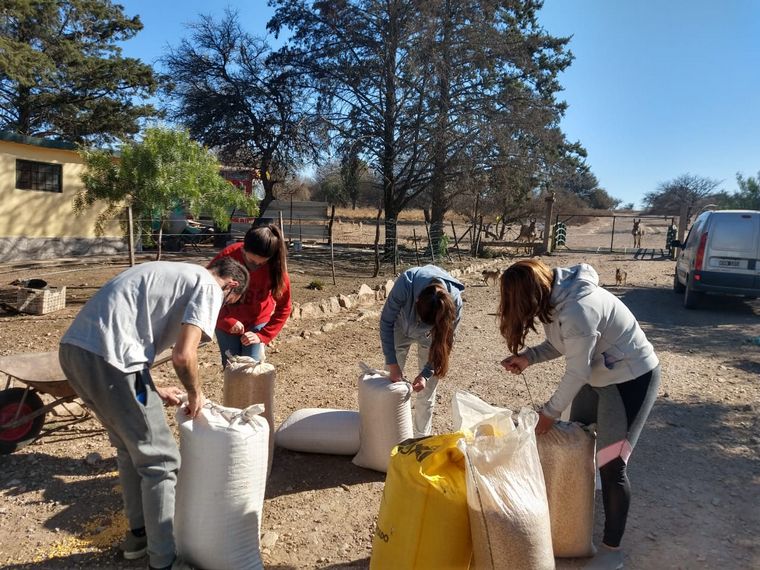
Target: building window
42,176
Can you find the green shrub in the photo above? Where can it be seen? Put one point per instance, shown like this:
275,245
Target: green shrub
316,285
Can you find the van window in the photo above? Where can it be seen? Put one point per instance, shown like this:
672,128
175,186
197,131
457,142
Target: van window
730,231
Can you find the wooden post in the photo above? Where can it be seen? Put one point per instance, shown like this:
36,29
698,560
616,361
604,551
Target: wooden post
377,242
130,237
612,237
477,238
282,226
291,215
432,254
473,245
548,222
395,250
332,245
330,225
416,251
456,241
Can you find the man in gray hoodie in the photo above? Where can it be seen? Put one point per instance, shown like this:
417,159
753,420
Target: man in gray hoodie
424,307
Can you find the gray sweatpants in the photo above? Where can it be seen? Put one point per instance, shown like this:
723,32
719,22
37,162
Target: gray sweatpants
424,400
146,452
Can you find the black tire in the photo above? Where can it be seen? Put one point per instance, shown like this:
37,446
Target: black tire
691,298
18,437
677,286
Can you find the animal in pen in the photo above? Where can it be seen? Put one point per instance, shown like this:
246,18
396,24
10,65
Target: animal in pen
637,231
527,233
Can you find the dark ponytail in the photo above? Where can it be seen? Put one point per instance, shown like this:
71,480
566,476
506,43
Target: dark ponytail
267,241
436,307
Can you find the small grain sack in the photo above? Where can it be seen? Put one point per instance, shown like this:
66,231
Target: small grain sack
567,459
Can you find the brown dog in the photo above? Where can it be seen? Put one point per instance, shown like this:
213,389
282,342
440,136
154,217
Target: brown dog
491,274
620,277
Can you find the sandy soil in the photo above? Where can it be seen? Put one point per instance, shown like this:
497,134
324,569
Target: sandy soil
694,472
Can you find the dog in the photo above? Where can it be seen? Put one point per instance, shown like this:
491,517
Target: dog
620,277
489,274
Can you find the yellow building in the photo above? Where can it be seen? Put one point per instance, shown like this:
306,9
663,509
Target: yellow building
38,181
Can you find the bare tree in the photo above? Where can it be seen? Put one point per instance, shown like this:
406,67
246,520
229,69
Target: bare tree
687,193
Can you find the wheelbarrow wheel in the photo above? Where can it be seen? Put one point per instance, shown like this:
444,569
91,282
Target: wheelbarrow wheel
17,437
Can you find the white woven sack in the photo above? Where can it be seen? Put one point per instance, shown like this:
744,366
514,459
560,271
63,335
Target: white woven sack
246,382
220,487
385,411
315,430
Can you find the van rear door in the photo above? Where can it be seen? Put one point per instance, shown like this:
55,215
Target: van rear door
733,247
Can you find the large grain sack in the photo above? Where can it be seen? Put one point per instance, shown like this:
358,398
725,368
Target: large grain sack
506,496
220,487
423,520
567,459
314,430
246,382
386,418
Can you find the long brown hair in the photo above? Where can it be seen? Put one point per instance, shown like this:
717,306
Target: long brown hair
436,307
267,241
526,288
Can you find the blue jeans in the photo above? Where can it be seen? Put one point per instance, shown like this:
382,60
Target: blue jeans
231,343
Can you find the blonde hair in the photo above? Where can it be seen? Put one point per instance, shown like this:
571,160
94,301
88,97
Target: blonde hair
436,307
526,288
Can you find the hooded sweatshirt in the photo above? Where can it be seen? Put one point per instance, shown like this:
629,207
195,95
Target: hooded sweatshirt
399,311
599,336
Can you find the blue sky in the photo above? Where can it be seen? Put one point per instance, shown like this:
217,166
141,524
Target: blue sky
657,88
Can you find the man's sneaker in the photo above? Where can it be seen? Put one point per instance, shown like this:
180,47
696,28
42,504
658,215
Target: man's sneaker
134,547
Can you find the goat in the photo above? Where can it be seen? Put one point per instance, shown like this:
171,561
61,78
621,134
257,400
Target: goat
621,276
527,232
637,231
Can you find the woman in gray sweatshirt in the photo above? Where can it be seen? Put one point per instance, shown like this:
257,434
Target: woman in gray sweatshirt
612,373
424,307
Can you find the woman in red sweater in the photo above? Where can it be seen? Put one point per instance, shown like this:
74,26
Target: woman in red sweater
246,326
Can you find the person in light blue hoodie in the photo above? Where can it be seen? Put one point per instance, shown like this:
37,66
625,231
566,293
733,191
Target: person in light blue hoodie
612,372
424,307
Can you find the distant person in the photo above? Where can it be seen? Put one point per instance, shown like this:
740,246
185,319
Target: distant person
245,328
424,307
612,372
106,356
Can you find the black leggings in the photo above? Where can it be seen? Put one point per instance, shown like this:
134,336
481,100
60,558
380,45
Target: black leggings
620,411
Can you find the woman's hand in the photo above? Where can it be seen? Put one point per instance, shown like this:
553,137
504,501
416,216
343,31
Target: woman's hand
419,383
249,338
515,364
545,423
395,373
237,328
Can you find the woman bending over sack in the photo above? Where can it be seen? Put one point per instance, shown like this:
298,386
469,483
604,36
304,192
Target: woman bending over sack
245,327
612,373
424,307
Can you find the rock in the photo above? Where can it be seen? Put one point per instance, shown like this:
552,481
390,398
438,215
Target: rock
327,327
388,286
93,458
366,295
295,312
311,311
269,539
305,334
345,302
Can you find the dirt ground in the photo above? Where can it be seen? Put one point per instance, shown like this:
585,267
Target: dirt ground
695,472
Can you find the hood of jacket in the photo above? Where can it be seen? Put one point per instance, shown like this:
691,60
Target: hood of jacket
573,283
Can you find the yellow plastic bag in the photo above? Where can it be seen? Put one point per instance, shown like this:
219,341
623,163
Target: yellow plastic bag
423,521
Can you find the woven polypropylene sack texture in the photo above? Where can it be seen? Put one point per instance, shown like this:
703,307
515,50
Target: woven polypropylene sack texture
567,460
247,382
385,411
315,430
220,488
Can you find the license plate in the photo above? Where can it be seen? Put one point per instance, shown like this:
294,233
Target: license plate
729,263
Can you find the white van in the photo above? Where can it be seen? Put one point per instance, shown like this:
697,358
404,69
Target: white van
721,254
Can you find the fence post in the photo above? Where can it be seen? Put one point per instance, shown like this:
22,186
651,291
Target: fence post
612,237
456,240
377,241
131,237
332,245
548,222
416,251
430,242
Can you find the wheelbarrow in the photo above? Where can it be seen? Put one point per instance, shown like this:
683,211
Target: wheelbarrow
22,410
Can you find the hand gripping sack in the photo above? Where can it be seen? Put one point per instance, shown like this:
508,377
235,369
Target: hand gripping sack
567,453
246,382
423,520
385,411
314,430
506,496
220,487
